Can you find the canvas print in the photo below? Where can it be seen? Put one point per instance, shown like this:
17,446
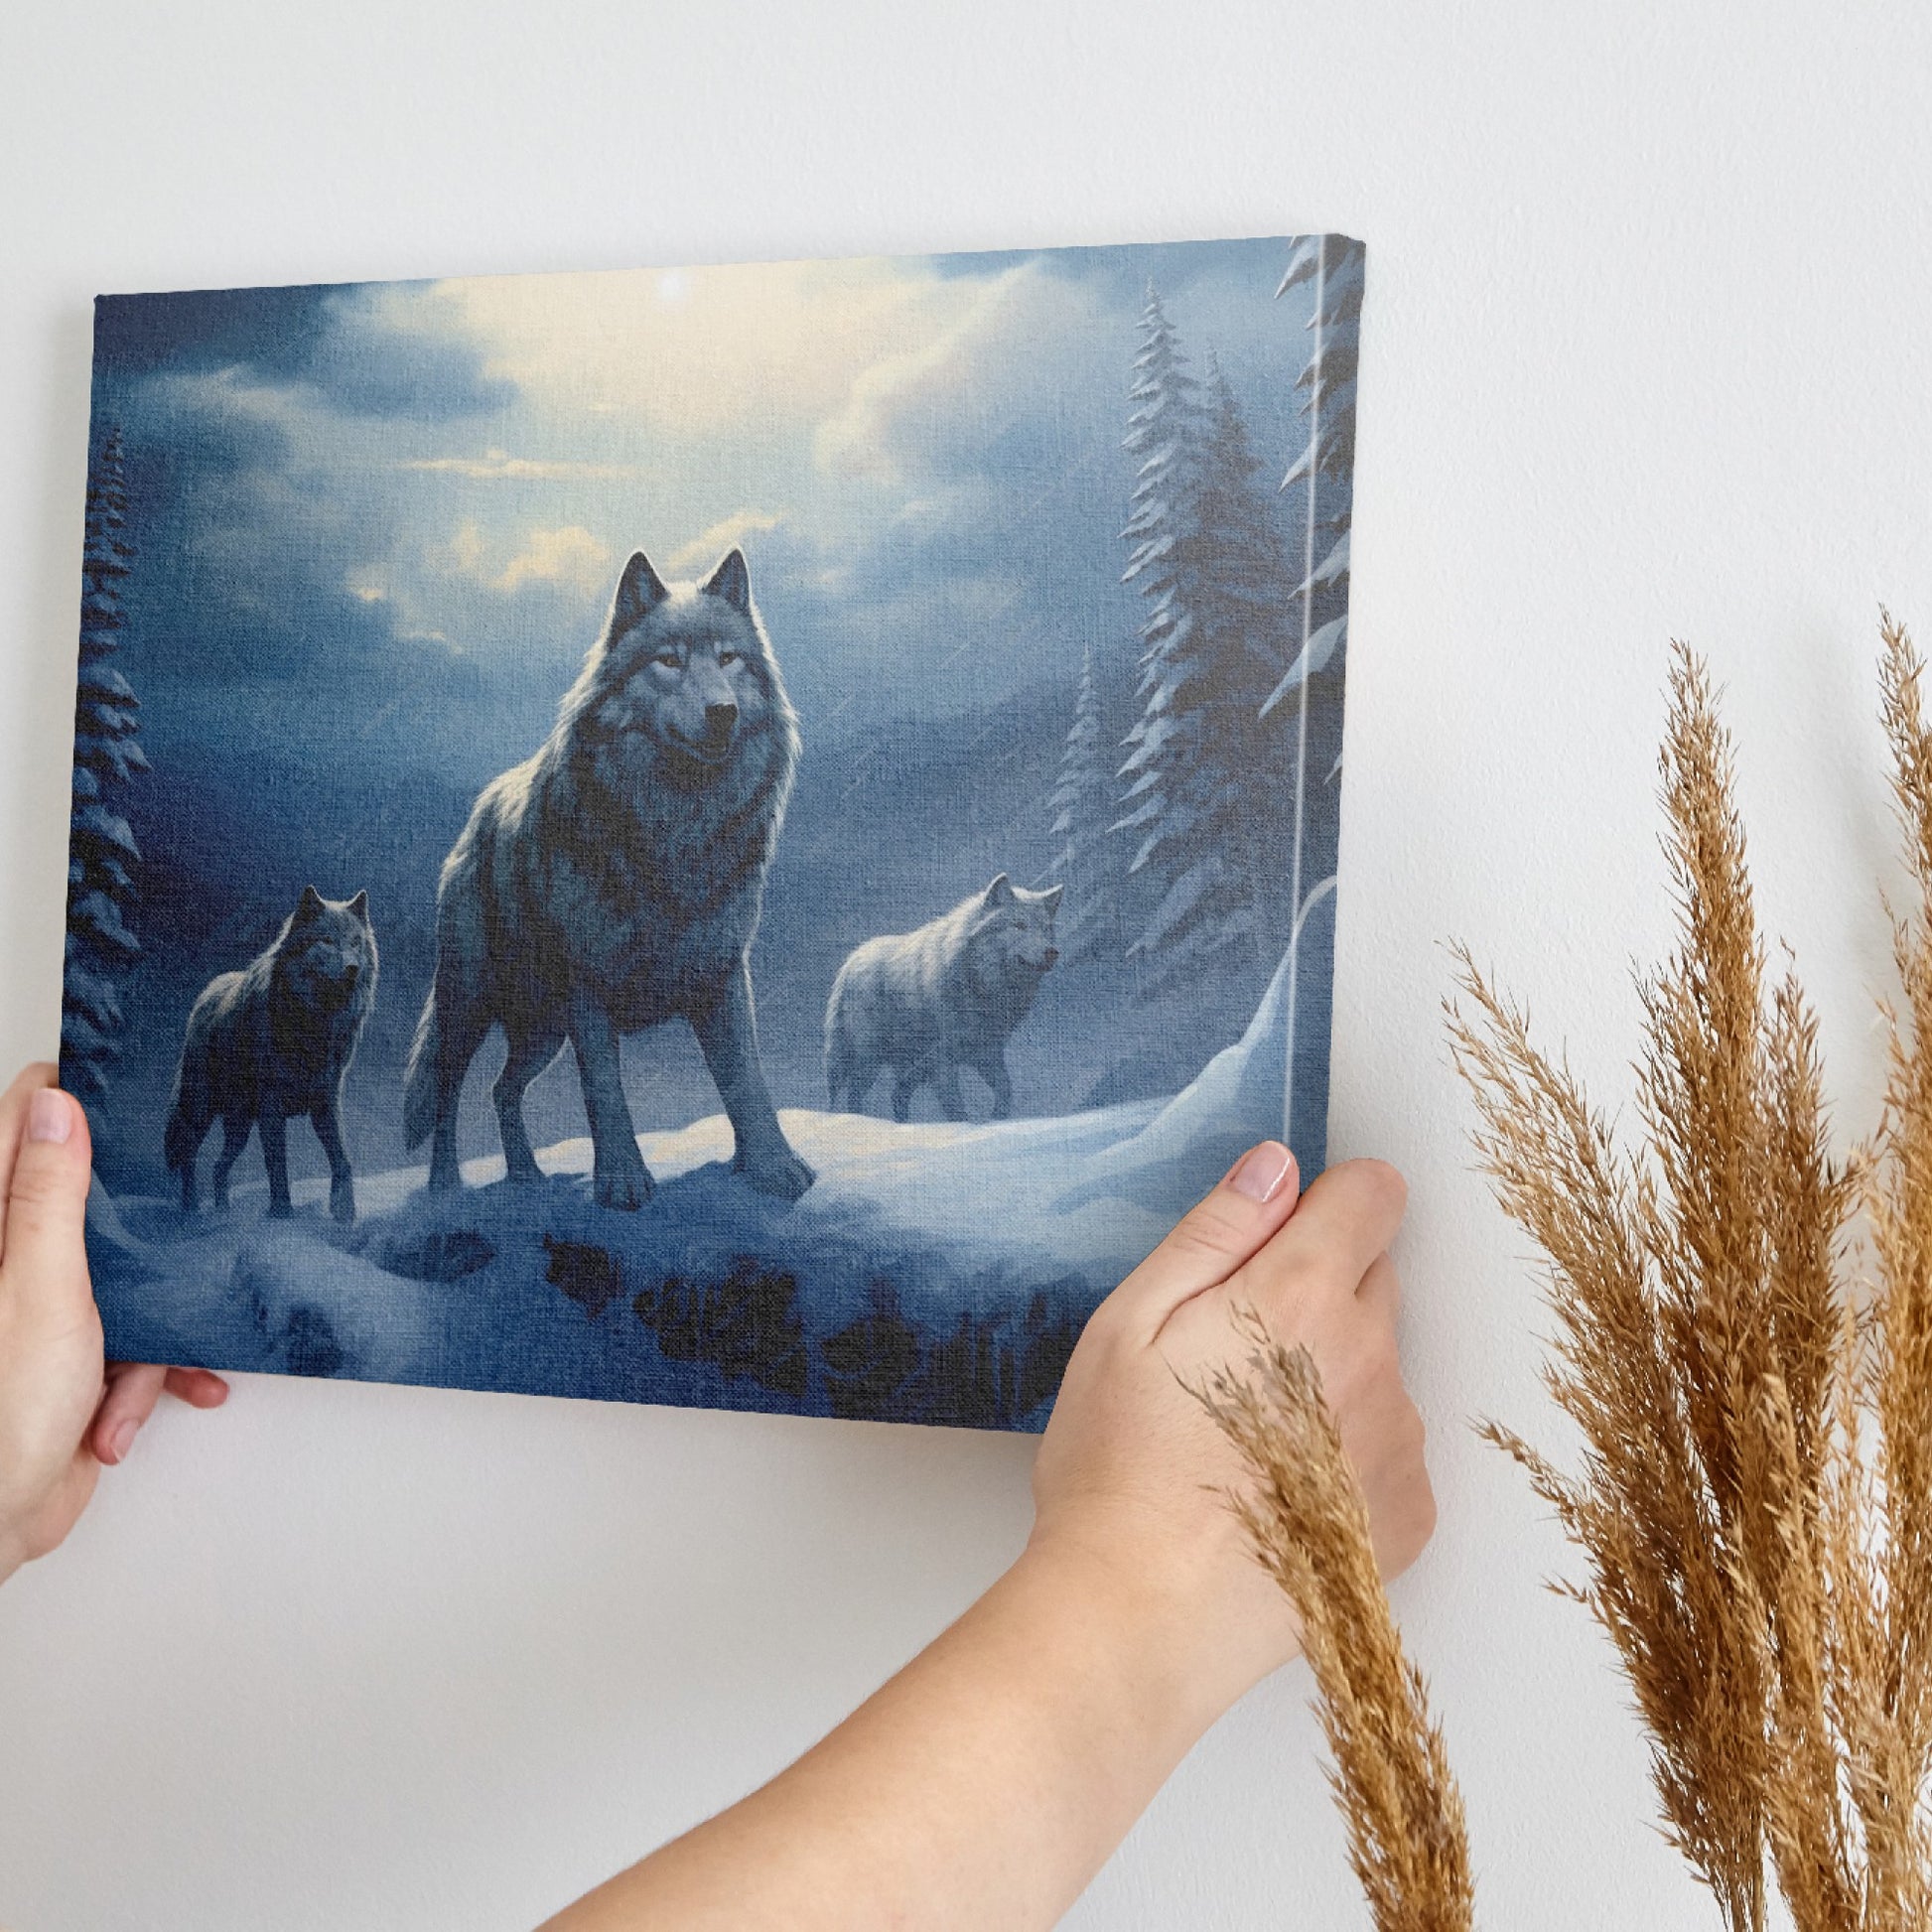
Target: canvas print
738,836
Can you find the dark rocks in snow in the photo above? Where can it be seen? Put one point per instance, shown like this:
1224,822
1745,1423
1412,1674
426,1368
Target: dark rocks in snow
871,1362
748,1323
1049,1336
311,1344
591,1276
988,1371
438,1255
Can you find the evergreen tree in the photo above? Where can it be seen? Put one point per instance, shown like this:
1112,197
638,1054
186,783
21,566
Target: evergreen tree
1311,690
1200,788
1324,471
1082,808
1247,614
101,855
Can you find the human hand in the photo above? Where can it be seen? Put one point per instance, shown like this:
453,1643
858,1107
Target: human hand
63,1411
1131,1470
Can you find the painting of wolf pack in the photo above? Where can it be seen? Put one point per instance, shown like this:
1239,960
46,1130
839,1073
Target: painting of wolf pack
840,763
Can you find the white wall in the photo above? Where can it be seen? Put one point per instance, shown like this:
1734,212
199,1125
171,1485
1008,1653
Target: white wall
1646,355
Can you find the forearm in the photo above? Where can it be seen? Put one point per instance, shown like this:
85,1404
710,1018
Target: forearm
984,1785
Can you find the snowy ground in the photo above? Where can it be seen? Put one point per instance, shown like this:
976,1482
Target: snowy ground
933,1273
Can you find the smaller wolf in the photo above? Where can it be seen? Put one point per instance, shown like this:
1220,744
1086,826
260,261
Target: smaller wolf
927,1003
274,1040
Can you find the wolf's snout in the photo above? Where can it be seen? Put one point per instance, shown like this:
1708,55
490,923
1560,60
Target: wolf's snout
1052,955
339,989
718,722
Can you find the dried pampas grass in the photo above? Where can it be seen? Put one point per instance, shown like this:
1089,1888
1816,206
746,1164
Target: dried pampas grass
1753,1390
1309,1526
1754,1497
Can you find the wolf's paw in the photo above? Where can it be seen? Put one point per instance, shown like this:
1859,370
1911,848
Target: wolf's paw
342,1202
626,1191
780,1174
280,1210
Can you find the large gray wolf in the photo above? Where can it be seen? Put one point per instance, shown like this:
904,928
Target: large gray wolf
614,881
927,1003
273,1041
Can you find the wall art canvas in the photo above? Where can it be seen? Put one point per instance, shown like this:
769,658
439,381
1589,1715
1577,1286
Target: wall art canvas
733,836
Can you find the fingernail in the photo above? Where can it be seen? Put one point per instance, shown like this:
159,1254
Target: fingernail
1262,1171
50,1115
122,1439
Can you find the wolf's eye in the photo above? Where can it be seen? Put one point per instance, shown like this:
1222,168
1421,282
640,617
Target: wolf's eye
668,658
727,656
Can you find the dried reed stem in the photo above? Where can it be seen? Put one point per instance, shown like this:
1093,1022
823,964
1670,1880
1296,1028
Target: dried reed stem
1306,1519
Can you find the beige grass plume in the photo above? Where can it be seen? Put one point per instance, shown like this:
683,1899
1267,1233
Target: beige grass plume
1307,1522
1755,1495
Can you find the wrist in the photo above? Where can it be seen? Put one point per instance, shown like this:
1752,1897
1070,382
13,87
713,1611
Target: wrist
1152,1630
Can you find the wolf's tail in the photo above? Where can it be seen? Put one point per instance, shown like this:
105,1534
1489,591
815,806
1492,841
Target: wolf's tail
190,1105
180,1143
419,1080
841,1055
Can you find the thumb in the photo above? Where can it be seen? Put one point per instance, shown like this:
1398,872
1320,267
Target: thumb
45,1259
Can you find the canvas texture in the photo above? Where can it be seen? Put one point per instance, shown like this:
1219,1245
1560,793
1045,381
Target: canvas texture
738,836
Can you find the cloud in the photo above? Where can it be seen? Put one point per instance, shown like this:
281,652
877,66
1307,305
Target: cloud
568,556
464,554
764,348
858,439
357,348
725,534
246,570
990,457
494,463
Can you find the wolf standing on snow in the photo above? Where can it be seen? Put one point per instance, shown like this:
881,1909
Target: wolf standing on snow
950,994
614,881
272,1042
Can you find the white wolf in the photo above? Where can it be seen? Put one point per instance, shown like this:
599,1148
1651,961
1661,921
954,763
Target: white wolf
614,881
273,1041
927,1003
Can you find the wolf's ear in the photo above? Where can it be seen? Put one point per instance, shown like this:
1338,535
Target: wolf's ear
308,906
1051,897
359,905
1000,893
732,581
639,591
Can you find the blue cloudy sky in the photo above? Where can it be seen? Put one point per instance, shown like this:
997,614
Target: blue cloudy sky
411,501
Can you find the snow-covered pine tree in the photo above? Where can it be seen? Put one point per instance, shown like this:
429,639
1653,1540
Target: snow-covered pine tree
1247,609
1164,431
1200,790
1082,807
1324,471
1311,690
101,853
